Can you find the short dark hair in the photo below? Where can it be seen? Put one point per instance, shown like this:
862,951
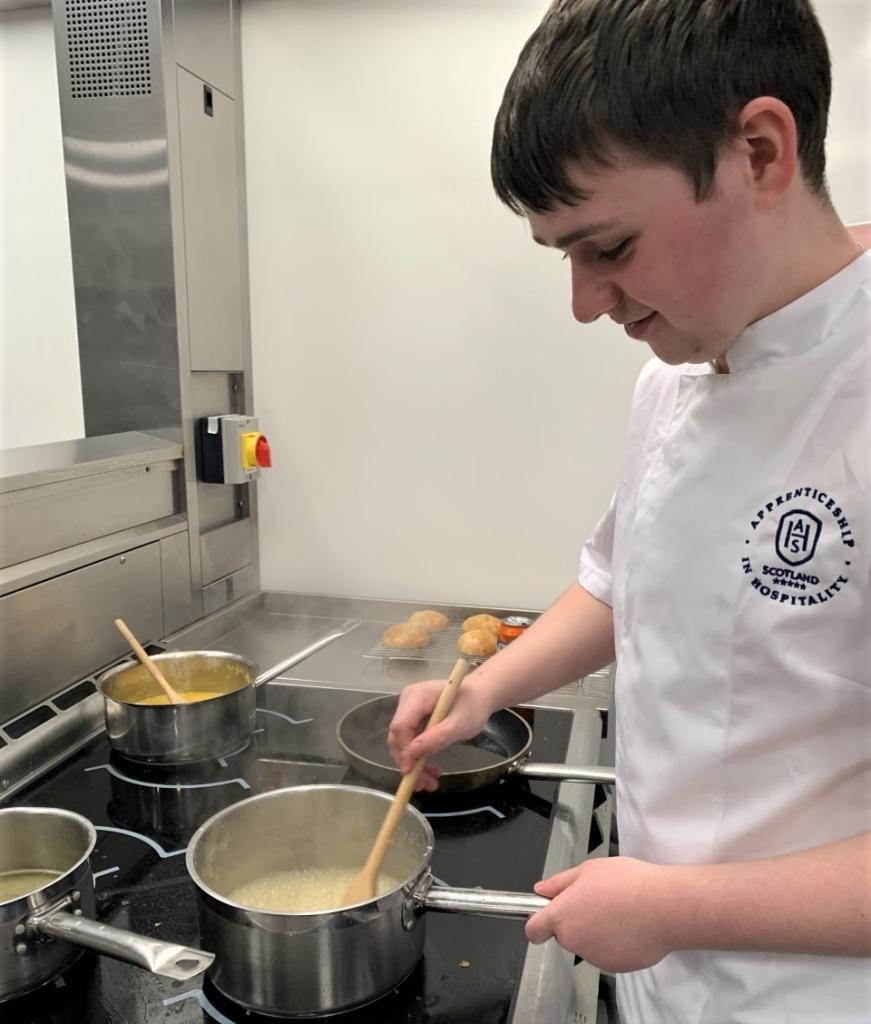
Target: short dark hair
662,79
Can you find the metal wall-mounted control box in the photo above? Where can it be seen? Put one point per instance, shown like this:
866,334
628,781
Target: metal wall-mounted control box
230,449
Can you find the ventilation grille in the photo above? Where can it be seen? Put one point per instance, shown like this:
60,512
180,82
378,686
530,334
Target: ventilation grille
108,48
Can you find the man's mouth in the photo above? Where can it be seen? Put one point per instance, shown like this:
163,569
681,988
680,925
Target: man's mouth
637,328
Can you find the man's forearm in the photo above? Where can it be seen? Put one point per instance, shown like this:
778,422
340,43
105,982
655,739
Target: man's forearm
573,638
817,901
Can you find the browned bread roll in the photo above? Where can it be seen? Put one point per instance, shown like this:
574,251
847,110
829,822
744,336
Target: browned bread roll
431,620
405,635
482,622
477,642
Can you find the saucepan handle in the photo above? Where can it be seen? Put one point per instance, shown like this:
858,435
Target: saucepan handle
163,958
488,902
565,772
283,666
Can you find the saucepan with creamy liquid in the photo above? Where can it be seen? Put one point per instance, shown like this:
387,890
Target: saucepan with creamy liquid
271,872
47,905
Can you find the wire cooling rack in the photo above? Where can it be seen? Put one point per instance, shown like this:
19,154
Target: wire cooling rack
442,646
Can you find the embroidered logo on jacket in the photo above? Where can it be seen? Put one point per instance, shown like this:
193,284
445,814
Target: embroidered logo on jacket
787,535
797,536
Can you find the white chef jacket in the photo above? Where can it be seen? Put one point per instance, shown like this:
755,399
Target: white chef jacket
735,555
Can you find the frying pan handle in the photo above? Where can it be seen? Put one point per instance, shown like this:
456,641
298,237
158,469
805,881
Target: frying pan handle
488,902
163,958
298,656
565,772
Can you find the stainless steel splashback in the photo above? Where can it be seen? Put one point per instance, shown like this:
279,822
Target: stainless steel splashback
152,131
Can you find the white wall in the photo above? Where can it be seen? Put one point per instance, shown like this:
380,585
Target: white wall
847,24
40,389
442,428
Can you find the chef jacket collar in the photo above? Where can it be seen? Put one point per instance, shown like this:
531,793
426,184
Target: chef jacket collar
801,325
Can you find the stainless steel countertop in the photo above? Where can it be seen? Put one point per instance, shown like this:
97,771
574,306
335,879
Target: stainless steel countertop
270,625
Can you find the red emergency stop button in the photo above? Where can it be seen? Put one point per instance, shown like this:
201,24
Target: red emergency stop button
255,451
262,452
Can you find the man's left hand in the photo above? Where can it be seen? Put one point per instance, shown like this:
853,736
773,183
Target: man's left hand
612,912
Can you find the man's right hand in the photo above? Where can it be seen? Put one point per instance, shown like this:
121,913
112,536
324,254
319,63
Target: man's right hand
408,744
573,638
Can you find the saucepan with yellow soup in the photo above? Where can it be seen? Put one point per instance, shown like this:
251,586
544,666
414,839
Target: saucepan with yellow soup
215,717
47,905
271,872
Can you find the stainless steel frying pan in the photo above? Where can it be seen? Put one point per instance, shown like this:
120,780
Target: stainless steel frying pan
500,749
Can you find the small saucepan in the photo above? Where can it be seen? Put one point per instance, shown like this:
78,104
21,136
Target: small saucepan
42,931
309,964
500,749
181,733
175,734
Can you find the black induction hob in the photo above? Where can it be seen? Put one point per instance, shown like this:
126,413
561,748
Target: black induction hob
494,838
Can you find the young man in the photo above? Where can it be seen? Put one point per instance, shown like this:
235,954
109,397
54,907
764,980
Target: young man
674,151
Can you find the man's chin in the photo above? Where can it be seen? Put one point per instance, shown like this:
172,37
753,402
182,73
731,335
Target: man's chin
678,351
669,354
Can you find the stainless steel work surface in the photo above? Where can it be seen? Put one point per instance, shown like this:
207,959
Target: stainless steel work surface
270,625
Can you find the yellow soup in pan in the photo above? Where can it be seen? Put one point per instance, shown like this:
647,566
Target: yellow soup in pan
188,696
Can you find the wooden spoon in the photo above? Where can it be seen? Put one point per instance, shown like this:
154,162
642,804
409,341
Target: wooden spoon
173,696
364,885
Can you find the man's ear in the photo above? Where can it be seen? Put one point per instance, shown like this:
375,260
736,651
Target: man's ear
768,138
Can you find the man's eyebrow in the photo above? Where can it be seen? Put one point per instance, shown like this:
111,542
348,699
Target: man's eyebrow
583,232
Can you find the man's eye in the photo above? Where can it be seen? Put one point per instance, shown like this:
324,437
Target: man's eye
609,255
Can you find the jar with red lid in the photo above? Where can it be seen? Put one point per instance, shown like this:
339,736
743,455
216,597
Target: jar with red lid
511,628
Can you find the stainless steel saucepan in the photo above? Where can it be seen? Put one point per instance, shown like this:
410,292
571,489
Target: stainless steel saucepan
174,734
316,963
43,931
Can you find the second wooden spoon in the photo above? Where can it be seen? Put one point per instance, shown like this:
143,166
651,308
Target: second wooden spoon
363,887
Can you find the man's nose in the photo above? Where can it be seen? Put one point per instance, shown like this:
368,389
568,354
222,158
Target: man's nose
592,295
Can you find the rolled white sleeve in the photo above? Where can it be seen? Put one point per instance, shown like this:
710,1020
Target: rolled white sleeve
594,574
